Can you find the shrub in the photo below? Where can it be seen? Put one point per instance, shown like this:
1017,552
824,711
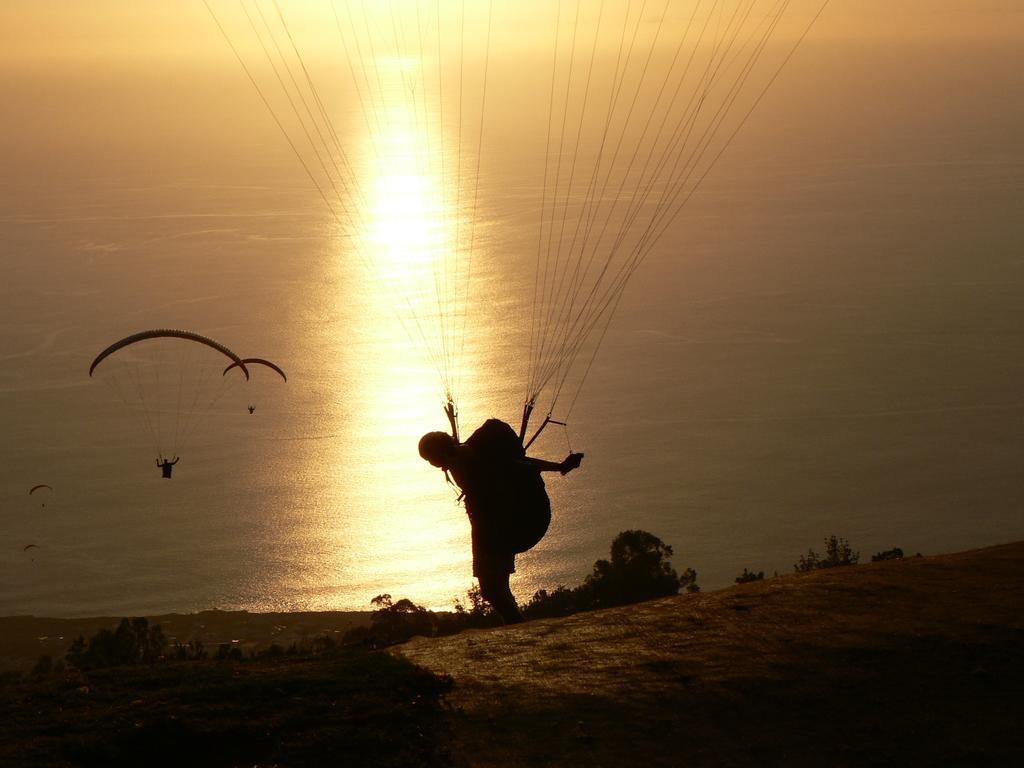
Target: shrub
639,569
394,622
193,650
748,576
228,652
274,652
561,602
478,615
890,554
837,552
133,642
43,667
688,581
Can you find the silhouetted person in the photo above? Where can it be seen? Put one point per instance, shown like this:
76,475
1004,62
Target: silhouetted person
166,466
252,408
508,508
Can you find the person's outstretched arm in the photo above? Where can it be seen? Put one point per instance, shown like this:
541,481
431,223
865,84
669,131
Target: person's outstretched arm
571,462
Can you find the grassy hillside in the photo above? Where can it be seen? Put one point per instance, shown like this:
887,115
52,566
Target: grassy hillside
913,662
346,708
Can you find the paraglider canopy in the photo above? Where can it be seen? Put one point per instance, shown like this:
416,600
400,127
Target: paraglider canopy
258,360
169,380
35,488
261,362
158,333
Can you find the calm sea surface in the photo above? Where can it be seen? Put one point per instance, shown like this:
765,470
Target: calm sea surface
829,340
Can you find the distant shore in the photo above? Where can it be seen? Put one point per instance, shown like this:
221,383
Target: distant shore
23,639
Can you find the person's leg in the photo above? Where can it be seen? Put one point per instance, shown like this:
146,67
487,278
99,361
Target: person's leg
492,565
495,590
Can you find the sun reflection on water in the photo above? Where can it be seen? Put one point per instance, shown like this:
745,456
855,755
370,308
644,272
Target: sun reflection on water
404,533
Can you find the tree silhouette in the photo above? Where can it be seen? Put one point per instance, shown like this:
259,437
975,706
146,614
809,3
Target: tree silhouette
748,576
133,642
639,569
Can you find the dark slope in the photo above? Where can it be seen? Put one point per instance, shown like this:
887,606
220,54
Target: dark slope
917,662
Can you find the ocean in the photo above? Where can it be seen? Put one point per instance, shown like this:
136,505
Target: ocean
827,341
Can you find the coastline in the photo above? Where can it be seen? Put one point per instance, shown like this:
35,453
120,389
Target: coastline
23,639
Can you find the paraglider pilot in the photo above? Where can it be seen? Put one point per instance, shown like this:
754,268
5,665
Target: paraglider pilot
166,466
508,508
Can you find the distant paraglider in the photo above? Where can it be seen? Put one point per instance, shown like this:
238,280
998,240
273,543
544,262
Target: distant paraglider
38,487
27,547
169,379
166,466
250,361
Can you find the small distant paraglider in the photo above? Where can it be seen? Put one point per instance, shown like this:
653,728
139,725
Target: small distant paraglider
35,488
166,465
27,547
249,361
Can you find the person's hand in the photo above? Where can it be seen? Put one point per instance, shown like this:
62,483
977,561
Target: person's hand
571,462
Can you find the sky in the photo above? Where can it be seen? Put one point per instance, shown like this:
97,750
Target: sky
130,66
36,31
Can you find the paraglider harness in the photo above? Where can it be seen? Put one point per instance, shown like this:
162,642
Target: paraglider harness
166,466
508,490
